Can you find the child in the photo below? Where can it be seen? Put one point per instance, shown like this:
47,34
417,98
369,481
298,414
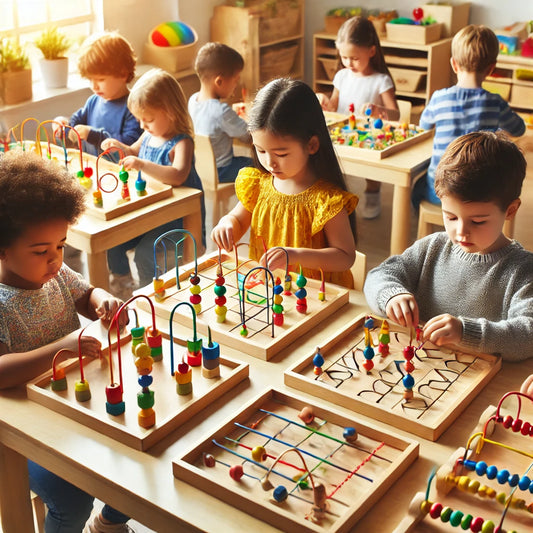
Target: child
364,82
466,106
219,68
298,198
40,298
108,61
471,285
165,151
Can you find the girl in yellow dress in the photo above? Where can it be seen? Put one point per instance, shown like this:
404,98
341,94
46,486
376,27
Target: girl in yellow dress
297,197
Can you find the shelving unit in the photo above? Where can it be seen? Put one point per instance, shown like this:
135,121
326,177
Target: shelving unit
513,80
271,42
418,69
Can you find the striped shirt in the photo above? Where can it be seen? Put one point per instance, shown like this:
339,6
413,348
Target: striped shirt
456,111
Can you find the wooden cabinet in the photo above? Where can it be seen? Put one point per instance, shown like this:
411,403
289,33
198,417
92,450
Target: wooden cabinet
270,39
418,69
513,80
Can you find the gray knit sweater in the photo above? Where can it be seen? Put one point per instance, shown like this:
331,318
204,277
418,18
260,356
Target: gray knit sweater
491,294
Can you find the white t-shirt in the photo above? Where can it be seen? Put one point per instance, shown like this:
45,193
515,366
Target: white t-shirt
360,90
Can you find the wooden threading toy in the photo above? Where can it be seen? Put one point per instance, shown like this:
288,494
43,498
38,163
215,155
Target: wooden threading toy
319,475
487,486
410,384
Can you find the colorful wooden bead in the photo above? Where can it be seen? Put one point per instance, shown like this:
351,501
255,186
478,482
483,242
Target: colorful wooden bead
183,377
209,460
280,493
259,454
114,404
159,288
236,472
194,352
195,298
350,434
82,391
211,360
154,339
98,200
306,415
318,362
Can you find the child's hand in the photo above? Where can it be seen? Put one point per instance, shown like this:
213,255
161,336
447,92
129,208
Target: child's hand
240,109
107,310
83,132
276,258
223,233
324,101
113,143
90,346
403,310
443,329
56,128
527,386
132,162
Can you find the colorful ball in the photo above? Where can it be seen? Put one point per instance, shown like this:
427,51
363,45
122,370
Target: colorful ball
172,34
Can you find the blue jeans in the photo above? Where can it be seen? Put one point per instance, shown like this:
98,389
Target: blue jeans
69,507
228,173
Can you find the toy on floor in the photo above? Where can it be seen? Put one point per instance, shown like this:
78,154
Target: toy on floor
486,486
413,385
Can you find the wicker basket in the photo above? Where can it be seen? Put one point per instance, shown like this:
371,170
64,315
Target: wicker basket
331,65
277,61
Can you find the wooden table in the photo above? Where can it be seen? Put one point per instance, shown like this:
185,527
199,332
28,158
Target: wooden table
95,236
401,170
142,485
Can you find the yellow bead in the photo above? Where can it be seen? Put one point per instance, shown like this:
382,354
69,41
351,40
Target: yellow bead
425,506
501,497
144,364
221,310
463,482
278,299
142,350
197,308
322,296
195,289
473,486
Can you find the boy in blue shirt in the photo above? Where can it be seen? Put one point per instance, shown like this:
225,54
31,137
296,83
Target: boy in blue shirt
108,62
465,107
219,68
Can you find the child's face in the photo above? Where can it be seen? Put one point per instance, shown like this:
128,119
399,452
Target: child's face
356,58
154,120
284,157
475,226
36,256
109,87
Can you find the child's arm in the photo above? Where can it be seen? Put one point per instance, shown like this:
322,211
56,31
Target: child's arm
332,103
403,310
231,227
527,386
99,304
128,150
389,110
338,256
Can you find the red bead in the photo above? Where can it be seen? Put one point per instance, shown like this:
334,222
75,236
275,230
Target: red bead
278,319
409,352
236,472
526,426
301,301
195,299
435,510
531,431
409,367
220,300
220,280
301,308
507,421
516,425
476,524
194,280
209,460
87,172
113,393
368,365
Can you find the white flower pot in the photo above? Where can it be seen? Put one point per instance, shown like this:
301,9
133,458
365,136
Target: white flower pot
55,72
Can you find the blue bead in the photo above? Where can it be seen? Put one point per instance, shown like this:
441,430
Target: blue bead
492,472
408,381
278,289
368,352
280,493
481,468
471,465
318,360
145,381
300,293
369,323
349,433
513,480
378,123
503,476
524,483
531,487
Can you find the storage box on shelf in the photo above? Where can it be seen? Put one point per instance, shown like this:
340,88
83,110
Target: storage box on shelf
269,37
512,79
414,34
418,69
453,16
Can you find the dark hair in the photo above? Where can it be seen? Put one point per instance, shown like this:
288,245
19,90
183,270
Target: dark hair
360,31
482,166
287,107
33,190
217,59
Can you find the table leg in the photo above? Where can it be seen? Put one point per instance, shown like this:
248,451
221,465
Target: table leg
97,267
193,223
401,219
15,503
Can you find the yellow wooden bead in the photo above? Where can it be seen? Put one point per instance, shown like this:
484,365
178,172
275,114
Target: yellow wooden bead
278,299
195,289
425,506
142,350
473,486
144,365
221,310
463,482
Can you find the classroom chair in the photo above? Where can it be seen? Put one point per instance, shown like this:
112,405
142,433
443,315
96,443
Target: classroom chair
359,271
216,193
430,215
405,111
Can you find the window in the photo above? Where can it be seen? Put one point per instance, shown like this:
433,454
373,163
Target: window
23,20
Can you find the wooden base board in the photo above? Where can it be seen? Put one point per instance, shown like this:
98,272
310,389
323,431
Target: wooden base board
259,342
171,409
355,475
445,382
519,520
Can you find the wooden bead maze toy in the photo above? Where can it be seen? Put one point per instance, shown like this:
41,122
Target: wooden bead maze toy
115,405
488,485
242,303
297,465
409,384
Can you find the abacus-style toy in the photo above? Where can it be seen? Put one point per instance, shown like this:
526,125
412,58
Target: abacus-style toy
486,486
220,292
441,383
384,338
296,464
210,358
194,345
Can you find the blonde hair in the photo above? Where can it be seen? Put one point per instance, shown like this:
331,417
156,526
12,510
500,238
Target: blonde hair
475,48
157,89
107,54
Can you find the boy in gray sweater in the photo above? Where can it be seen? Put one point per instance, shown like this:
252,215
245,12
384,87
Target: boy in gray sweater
471,285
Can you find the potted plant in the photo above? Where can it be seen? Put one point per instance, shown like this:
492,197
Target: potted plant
15,73
54,65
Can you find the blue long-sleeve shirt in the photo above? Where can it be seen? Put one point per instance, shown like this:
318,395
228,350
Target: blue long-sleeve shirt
107,118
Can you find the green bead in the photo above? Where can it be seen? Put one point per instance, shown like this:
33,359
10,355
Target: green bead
220,290
145,400
301,281
194,346
446,514
466,521
488,527
80,174
278,309
123,176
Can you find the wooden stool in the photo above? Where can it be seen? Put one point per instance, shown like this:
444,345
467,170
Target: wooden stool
358,270
431,215
39,512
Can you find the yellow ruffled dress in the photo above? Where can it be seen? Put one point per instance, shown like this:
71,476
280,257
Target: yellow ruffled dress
292,220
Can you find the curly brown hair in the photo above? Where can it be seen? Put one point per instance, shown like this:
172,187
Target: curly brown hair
33,190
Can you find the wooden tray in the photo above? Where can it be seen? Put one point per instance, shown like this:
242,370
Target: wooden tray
171,409
518,520
259,342
445,382
358,474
